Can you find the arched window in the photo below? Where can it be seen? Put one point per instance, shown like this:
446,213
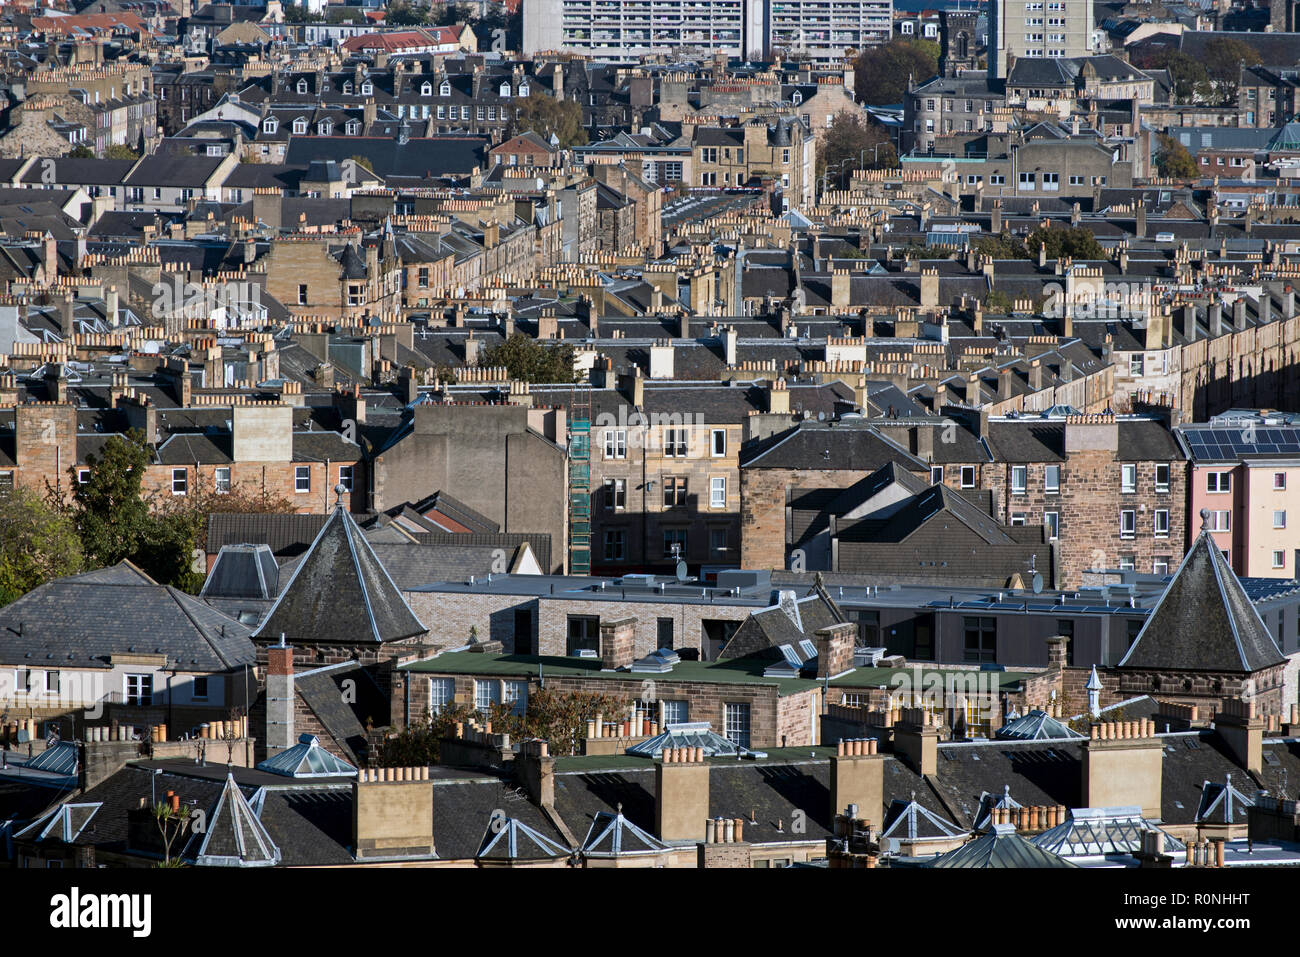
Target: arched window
302,86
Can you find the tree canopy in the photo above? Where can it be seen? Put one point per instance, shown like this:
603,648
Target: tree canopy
881,73
850,139
543,114
38,542
1191,83
528,360
1173,159
1068,242
1224,58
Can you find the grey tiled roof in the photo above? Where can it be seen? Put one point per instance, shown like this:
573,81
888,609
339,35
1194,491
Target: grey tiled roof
82,620
340,594
1204,621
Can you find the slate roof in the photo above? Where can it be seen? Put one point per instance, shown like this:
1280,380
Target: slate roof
1204,621
613,835
340,594
81,620
243,571
1002,847
233,836
813,446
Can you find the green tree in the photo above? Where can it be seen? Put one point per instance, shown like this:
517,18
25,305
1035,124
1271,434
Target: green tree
404,14
1224,58
543,114
528,360
1173,159
1001,246
1190,81
850,139
557,717
298,13
120,152
38,542
81,151
881,73
1069,242
114,521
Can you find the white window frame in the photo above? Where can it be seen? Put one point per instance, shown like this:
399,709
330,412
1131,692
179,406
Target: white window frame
714,437
1279,518
442,694
1218,483
1128,478
515,694
487,692
1052,480
1128,523
139,695
180,481
1019,479
616,443
221,479
1160,523
1162,485
301,472
965,470
1052,522
346,476
717,491
1279,558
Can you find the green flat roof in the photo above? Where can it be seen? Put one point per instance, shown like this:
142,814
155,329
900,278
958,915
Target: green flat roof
731,671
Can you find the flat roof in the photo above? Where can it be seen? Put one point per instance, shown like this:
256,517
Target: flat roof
729,671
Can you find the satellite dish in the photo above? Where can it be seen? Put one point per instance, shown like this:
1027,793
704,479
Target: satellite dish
1037,583
681,570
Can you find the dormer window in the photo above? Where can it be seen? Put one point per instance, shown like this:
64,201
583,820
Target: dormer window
353,127
523,89
367,88
300,125
269,125
505,90
324,127
347,86
796,98
426,89
302,86
445,89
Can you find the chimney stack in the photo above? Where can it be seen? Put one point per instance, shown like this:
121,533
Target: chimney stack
279,700
858,777
916,740
1123,765
617,644
392,814
1242,731
681,794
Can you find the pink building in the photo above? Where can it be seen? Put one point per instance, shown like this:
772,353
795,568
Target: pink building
1245,472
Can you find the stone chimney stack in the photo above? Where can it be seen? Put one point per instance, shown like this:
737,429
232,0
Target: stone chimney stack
1123,765
835,649
617,644
392,814
681,795
279,700
916,740
1242,731
858,777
